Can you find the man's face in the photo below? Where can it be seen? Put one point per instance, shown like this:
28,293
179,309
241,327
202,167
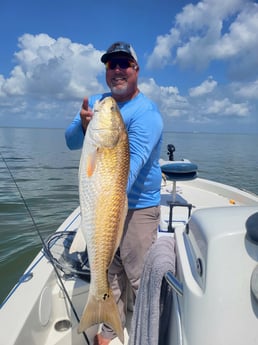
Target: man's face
121,77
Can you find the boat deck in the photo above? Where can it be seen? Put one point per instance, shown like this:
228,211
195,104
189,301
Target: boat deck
200,194
43,315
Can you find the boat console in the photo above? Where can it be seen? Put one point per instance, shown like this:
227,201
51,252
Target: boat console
217,272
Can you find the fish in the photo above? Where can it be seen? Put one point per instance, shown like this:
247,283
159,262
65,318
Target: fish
103,176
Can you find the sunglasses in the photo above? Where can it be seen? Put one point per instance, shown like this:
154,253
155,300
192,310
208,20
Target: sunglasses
122,63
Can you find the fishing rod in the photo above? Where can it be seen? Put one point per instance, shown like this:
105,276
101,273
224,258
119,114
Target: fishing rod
45,248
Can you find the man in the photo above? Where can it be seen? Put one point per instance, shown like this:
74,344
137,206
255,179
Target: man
144,125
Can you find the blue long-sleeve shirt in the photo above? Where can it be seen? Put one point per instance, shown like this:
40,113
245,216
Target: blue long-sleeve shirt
144,125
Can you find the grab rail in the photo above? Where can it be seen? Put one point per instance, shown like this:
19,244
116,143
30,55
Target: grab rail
172,281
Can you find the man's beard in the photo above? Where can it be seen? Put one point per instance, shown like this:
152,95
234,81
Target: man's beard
119,90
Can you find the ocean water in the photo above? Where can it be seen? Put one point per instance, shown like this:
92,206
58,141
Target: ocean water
46,172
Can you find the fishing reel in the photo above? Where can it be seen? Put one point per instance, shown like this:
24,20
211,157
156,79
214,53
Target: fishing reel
171,149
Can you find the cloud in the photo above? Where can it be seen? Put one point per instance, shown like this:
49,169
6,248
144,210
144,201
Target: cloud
225,107
53,68
206,87
162,53
170,102
246,90
211,30
50,78
206,103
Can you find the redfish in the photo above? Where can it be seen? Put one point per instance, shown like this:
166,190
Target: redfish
103,175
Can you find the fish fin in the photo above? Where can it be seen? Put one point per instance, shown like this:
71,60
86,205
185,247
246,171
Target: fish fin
91,163
104,310
79,242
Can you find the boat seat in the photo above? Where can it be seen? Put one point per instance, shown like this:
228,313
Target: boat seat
178,171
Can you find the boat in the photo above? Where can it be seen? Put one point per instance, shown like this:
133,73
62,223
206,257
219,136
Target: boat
210,298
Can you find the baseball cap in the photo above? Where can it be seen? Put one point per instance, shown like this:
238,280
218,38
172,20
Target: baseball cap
121,48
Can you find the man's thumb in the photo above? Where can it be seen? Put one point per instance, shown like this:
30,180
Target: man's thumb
85,103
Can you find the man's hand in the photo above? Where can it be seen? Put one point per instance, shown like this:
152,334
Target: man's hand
85,113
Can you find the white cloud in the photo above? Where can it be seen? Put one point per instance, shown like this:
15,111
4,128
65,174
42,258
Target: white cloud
214,37
207,103
167,97
54,68
206,87
242,34
50,75
211,30
225,107
15,85
246,90
162,53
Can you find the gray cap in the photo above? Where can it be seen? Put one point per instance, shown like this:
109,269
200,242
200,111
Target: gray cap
121,48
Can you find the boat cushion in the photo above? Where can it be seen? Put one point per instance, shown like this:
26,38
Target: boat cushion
180,171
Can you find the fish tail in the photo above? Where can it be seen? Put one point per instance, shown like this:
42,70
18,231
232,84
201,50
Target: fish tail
102,311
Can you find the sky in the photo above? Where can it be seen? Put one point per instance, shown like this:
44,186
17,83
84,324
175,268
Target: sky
198,59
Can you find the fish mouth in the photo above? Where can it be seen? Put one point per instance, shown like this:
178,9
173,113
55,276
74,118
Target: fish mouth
106,130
